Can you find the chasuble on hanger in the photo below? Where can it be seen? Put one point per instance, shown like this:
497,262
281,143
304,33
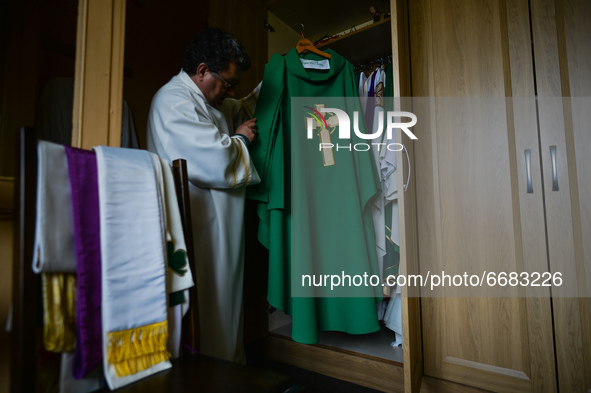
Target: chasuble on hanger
315,203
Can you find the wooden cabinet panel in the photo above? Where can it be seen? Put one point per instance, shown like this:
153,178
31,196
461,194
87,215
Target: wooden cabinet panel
474,212
474,206
561,35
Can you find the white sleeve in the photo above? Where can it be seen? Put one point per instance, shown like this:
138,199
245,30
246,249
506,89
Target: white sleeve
191,131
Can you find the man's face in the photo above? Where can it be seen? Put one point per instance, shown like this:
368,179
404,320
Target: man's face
216,87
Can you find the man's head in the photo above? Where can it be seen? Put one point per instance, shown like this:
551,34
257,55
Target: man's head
214,60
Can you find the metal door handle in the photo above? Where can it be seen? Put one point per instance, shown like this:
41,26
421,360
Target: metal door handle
530,188
554,169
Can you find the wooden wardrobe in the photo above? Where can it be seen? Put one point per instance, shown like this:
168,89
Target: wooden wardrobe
474,207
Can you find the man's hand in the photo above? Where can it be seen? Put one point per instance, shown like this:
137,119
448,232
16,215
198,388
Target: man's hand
248,129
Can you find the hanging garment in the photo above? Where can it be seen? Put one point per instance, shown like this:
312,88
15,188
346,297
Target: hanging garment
393,317
362,90
373,96
55,114
54,233
56,104
183,125
54,252
374,108
388,166
59,314
92,382
179,276
82,168
388,163
72,302
133,270
128,132
370,104
314,216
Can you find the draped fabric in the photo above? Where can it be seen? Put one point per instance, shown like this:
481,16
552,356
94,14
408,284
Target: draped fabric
59,315
54,253
179,276
85,207
54,232
133,274
308,210
111,218
179,271
386,208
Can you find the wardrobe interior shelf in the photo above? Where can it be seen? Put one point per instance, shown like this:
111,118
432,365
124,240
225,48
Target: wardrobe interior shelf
361,45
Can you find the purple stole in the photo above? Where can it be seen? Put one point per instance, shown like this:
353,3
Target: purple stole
370,104
82,167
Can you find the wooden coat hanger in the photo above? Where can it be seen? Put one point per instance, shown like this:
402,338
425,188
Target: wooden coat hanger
305,44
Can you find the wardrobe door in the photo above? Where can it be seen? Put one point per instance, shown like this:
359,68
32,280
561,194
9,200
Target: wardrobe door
411,313
561,32
475,152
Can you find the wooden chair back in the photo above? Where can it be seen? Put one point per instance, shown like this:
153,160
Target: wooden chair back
191,332
26,301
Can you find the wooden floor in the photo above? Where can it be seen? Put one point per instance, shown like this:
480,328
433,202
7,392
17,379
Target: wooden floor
207,374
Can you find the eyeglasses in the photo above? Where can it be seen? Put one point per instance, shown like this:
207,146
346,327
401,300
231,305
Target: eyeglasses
228,85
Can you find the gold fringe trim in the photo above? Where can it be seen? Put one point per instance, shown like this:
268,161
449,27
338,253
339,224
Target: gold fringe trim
59,311
134,350
138,364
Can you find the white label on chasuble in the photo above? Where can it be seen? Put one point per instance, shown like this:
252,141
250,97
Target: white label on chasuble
316,64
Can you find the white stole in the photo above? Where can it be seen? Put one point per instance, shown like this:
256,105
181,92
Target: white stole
179,277
177,280
134,296
54,228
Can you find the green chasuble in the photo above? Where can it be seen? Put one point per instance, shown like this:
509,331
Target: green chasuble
314,209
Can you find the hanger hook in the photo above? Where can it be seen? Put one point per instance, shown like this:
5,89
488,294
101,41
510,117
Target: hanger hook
301,31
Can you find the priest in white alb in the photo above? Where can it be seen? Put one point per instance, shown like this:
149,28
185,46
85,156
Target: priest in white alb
185,121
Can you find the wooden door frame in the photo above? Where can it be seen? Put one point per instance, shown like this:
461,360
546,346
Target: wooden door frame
98,81
409,264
